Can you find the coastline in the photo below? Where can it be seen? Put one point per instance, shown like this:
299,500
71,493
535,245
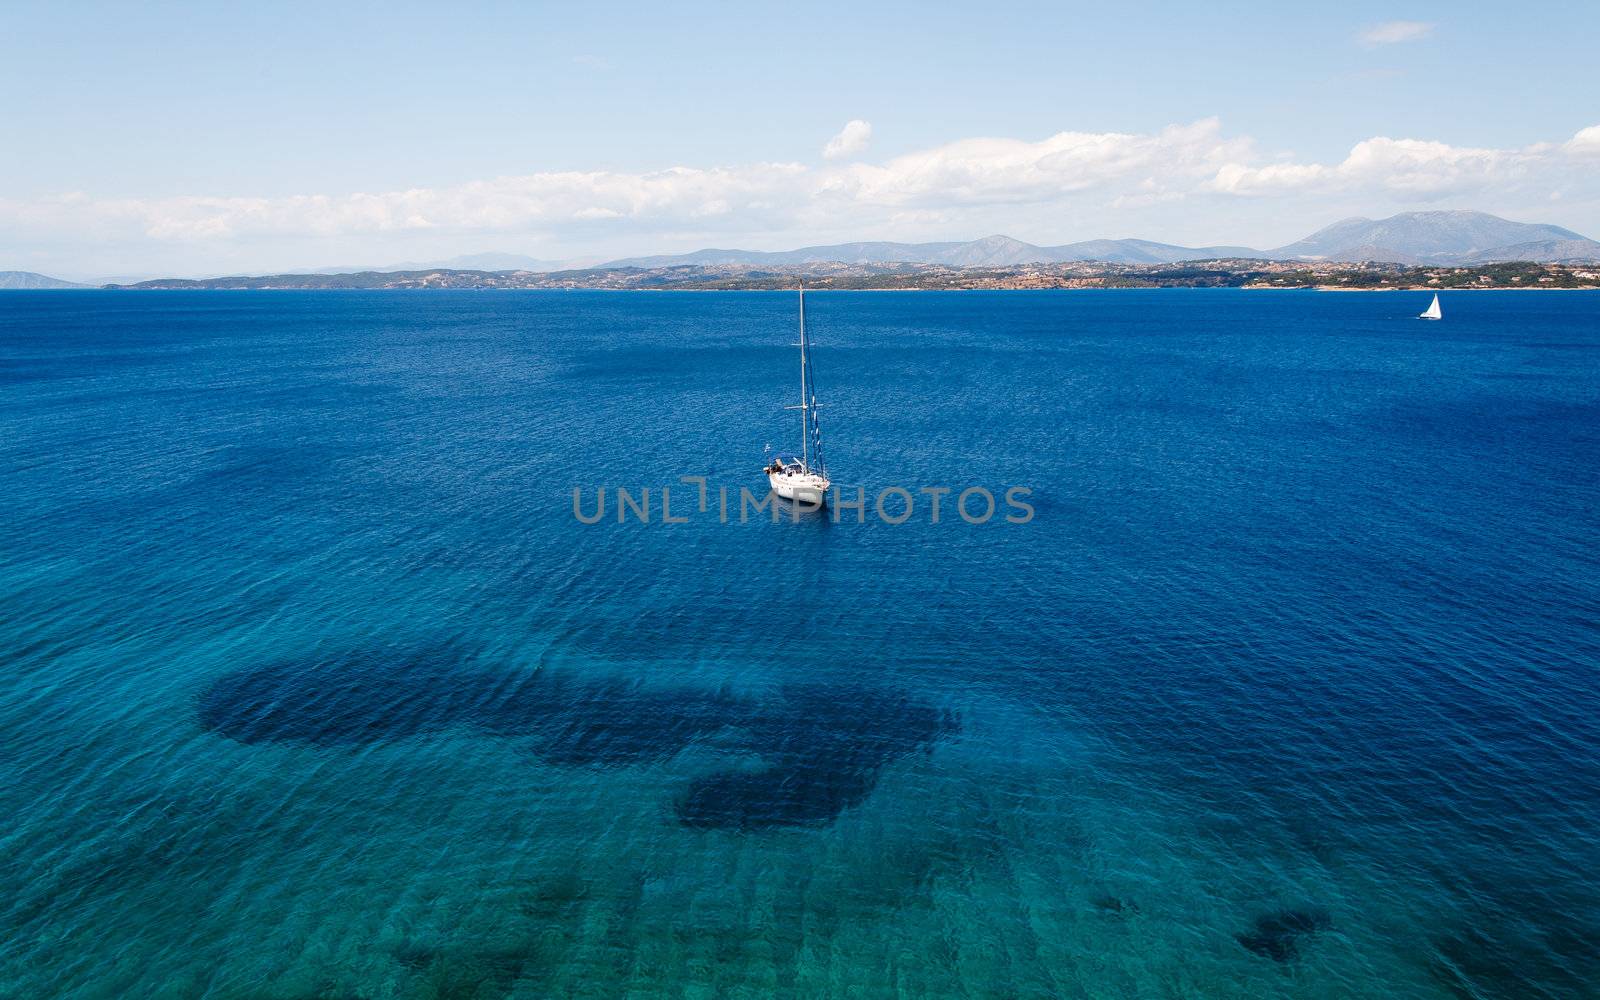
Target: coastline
1252,275
810,288
1431,288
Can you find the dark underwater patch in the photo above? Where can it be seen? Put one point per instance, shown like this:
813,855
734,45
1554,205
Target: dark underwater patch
609,723
820,748
1278,935
351,699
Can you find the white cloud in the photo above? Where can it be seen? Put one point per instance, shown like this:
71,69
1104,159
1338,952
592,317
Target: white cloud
989,171
1393,32
852,139
1585,143
1421,170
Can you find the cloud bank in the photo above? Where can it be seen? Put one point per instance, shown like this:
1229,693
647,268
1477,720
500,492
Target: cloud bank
1076,184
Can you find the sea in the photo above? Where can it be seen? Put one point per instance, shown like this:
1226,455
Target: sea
1273,671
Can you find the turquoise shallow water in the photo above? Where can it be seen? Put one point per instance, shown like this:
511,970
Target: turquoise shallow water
314,686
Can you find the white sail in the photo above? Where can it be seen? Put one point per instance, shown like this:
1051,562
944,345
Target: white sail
1432,311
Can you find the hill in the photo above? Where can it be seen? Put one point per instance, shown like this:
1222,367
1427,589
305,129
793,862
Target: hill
1145,252
14,280
1440,238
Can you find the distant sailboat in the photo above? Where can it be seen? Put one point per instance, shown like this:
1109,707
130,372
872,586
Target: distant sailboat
1432,312
804,478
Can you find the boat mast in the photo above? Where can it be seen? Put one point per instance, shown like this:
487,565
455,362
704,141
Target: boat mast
805,418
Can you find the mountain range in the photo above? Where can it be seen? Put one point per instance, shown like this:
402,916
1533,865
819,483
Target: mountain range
1443,238
1455,238
991,251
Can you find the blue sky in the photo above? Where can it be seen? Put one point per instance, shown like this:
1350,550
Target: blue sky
196,139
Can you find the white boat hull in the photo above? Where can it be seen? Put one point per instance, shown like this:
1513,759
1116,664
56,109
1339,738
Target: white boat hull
804,487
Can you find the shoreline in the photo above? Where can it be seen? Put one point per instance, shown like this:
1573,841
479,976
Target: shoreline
1432,288
824,288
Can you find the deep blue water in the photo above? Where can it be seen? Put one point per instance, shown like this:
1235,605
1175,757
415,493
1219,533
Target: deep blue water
314,686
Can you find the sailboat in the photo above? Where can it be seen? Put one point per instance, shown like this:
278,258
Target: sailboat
1432,312
803,478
